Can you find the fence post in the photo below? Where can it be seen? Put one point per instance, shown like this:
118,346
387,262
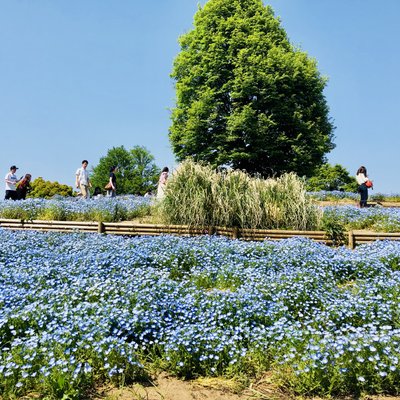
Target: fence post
235,232
352,243
100,228
211,230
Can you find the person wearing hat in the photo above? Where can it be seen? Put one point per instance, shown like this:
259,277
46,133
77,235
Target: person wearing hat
11,184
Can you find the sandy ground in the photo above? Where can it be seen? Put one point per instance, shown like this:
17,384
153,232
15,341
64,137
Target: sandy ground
169,388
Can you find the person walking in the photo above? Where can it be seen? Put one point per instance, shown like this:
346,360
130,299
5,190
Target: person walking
112,182
162,183
11,184
82,180
24,187
363,184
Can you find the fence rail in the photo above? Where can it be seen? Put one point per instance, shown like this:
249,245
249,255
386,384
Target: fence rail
361,237
132,229
371,203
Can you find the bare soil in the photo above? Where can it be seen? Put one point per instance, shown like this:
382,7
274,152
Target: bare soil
165,387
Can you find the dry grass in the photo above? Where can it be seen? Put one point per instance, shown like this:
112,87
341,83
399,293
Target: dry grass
197,195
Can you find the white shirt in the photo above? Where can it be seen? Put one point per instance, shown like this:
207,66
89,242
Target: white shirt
83,176
361,178
10,177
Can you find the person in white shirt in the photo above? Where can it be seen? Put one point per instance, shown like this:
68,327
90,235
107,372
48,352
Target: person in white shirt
363,181
82,180
11,184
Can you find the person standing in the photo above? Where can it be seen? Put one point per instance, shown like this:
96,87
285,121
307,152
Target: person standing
82,180
112,182
11,184
24,187
363,184
162,183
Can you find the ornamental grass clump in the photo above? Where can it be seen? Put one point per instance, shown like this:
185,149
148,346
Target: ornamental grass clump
189,198
287,204
197,195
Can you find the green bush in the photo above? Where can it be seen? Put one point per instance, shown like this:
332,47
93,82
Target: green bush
335,228
48,189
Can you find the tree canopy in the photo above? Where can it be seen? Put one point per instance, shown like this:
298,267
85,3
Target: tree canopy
245,97
137,173
332,177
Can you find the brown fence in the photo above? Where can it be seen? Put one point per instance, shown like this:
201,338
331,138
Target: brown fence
132,229
387,204
58,226
361,237
183,230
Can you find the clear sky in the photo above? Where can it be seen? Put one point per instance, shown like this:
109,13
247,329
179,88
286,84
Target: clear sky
78,77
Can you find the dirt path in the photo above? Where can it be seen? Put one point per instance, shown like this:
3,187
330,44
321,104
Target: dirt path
168,388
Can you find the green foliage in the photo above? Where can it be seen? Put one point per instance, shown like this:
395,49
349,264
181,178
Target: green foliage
197,195
328,177
136,174
55,213
334,228
245,97
47,189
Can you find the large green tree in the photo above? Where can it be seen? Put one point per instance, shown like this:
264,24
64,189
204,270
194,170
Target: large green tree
332,177
245,97
137,173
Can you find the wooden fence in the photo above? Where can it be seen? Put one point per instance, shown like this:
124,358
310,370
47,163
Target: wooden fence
361,237
131,229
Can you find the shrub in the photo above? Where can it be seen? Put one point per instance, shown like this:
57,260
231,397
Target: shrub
334,228
47,189
197,195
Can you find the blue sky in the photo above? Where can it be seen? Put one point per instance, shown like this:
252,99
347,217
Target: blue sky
80,77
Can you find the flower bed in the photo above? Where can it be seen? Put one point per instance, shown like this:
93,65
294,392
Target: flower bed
74,209
337,195
378,219
77,309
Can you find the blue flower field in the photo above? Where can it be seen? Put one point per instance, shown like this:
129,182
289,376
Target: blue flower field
378,219
77,310
105,209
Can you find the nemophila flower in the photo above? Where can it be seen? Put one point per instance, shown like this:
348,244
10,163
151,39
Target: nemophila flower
71,208
378,218
101,298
